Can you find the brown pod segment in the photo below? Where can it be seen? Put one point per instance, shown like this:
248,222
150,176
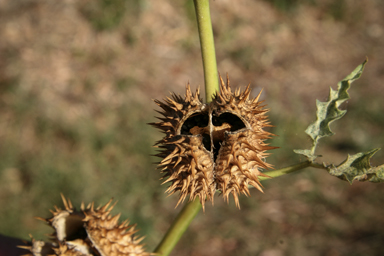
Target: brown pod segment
89,231
215,146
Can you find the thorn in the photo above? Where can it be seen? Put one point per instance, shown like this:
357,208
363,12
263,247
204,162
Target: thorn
70,204
64,201
228,85
115,219
42,219
258,96
82,206
104,208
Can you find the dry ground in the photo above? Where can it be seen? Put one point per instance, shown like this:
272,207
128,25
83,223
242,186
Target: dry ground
77,79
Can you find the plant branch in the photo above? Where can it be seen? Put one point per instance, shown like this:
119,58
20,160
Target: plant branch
191,209
285,170
292,168
178,227
204,24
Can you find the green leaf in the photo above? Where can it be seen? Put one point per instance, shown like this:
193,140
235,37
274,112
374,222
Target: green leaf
358,167
329,111
307,153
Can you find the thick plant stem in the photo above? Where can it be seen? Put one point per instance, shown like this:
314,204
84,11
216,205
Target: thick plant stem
204,24
191,209
178,227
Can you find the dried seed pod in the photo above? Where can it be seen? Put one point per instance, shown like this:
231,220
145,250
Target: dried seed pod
108,236
186,162
67,223
241,155
68,250
38,248
216,146
90,231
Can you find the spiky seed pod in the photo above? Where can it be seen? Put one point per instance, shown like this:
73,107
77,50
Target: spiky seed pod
38,248
108,236
90,231
186,162
67,223
68,250
241,155
216,146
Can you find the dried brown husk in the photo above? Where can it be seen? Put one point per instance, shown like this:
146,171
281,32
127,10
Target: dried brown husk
217,146
90,231
38,248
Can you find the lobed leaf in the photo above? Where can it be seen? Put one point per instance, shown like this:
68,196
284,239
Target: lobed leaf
358,167
329,111
307,153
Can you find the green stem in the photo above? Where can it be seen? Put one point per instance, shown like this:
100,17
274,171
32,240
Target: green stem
204,24
286,170
290,169
211,80
178,227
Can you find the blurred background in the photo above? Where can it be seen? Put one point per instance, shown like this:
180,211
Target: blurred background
77,80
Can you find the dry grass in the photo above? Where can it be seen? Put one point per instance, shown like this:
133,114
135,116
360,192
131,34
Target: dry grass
76,93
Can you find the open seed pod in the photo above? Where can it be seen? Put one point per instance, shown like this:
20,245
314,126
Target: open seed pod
215,146
90,231
39,248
